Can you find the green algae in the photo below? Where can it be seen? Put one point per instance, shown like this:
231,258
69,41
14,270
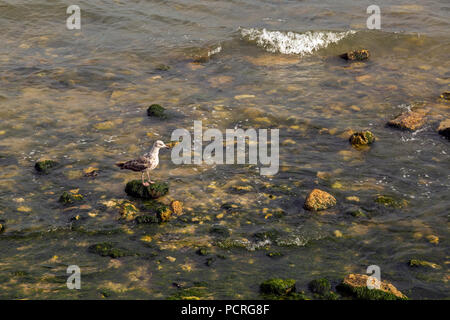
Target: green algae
70,198
422,263
364,293
320,286
45,166
136,189
192,293
277,286
108,249
157,111
388,201
146,219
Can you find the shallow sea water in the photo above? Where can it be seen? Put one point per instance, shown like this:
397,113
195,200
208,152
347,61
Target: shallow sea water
80,97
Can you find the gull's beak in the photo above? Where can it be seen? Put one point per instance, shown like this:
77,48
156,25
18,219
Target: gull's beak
166,146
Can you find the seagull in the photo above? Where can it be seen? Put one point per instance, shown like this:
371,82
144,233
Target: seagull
146,163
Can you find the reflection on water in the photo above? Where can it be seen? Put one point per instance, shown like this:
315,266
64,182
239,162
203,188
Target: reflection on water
80,98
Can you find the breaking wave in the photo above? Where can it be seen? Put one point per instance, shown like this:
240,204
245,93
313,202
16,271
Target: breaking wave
292,42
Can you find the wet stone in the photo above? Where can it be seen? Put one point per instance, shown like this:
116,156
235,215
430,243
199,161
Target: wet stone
409,120
362,138
136,189
355,285
319,200
444,128
45,166
356,55
156,111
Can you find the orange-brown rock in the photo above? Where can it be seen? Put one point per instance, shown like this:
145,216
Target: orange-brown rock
177,207
409,120
319,200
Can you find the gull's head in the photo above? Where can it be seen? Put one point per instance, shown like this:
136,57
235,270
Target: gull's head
159,144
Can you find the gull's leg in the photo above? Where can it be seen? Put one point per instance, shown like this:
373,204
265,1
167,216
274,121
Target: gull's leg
148,176
145,184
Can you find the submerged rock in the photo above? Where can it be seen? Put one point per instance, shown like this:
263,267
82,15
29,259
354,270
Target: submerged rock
70,197
356,286
320,286
278,286
388,201
155,110
163,67
409,120
136,189
107,249
362,138
45,166
422,263
446,95
356,55
319,200
444,128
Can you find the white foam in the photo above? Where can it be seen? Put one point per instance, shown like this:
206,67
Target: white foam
292,42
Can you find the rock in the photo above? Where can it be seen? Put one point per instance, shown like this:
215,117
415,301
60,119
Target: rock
45,166
391,202
136,189
423,263
446,95
356,286
155,110
444,128
193,293
319,200
163,67
278,287
2,228
362,138
202,252
128,211
220,231
163,213
107,249
320,286
356,55
177,207
70,197
409,120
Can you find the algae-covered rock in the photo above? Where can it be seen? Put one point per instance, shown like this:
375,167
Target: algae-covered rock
2,227
202,252
163,67
446,95
388,201
278,286
423,263
70,197
163,213
193,293
356,55
362,138
355,285
136,189
128,211
155,110
319,200
107,249
45,166
409,120
220,231
320,286
444,128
